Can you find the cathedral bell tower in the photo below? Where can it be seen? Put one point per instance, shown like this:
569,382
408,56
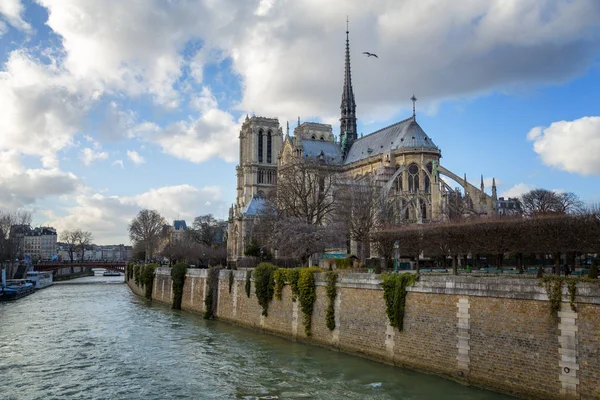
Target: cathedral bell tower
348,132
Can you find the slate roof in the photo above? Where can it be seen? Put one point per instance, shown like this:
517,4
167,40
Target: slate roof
401,135
255,207
179,225
330,151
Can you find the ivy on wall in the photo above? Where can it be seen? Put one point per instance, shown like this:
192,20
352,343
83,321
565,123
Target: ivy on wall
292,276
553,285
248,282
136,273
212,292
178,276
264,285
280,277
231,280
307,294
147,273
332,278
394,293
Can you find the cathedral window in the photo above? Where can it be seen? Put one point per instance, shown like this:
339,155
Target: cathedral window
260,146
427,179
269,147
413,178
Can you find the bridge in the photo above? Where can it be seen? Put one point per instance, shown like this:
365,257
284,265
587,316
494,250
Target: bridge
118,266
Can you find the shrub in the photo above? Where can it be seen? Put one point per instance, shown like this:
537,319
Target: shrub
178,273
264,285
292,275
394,293
212,293
248,283
593,272
332,278
136,273
147,278
307,293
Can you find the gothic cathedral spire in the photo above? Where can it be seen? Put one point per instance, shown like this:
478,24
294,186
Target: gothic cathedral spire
348,132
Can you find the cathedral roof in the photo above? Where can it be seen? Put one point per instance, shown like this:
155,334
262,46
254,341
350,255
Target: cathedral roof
330,152
405,134
255,207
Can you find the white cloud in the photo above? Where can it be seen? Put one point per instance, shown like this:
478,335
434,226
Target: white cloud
89,155
12,11
119,163
42,108
108,217
213,134
572,146
20,187
518,190
135,157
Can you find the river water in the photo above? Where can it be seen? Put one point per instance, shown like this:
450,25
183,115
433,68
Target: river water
99,341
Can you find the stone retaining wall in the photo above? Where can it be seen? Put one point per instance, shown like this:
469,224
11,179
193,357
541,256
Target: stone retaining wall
492,332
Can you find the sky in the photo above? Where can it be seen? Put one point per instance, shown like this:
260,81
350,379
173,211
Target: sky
108,107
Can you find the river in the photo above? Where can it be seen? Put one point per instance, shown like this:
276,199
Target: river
100,341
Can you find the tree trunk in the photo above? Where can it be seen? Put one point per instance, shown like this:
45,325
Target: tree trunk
454,264
556,263
519,257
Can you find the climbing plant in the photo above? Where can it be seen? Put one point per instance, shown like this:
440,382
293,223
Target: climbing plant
178,276
231,280
394,293
553,285
332,278
248,282
292,275
264,285
307,294
279,276
212,292
137,270
147,279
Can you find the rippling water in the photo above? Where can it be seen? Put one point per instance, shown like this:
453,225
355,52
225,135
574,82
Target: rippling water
103,342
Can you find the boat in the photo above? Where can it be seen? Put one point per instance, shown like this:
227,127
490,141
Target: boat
111,273
39,280
15,289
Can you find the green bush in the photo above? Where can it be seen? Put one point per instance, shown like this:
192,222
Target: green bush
212,292
291,276
248,283
279,276
231,280
136,273
147,278
178,273
307,293
332,278
344,263
593,272
394,293
264,285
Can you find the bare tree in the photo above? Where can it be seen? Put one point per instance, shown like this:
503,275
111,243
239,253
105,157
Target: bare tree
359,204
13,226
205,229
542,202
305,190
84,241
147,227
71,241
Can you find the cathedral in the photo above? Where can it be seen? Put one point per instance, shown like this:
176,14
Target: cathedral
401,158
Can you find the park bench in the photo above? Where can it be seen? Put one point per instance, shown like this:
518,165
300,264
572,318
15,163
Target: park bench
425,270
580,272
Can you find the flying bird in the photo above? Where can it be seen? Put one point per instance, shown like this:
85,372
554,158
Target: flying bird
370,54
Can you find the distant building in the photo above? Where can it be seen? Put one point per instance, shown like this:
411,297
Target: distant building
509,206
40,242
179,228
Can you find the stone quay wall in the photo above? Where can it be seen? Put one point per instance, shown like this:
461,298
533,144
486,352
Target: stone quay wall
492,332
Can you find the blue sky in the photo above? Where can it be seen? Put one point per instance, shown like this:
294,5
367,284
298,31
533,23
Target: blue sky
114,106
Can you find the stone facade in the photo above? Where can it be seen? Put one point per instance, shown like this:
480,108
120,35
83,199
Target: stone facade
401,158
496,333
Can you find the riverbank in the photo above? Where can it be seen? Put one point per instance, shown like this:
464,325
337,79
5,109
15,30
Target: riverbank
493,332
